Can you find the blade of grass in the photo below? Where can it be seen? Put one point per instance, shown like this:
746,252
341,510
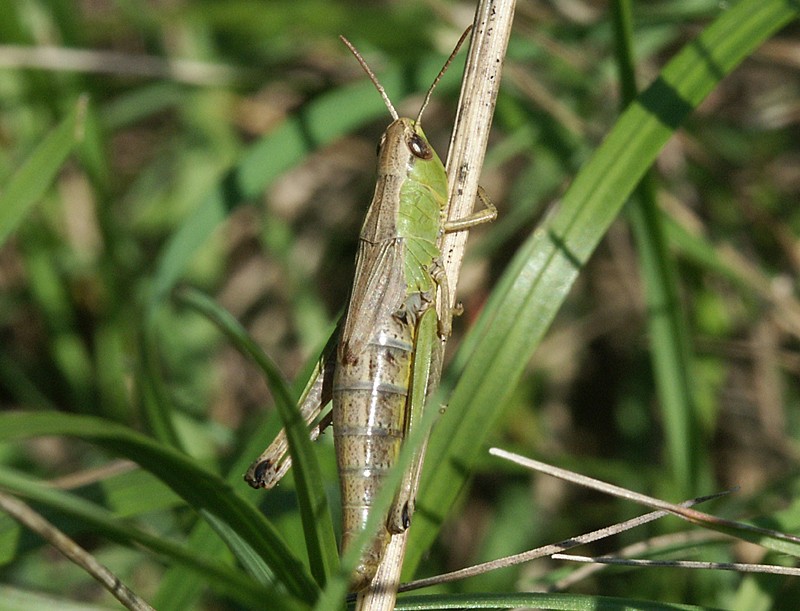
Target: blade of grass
154,396
667,329
522,307
315,514
201,489
567,602
34,178
102,522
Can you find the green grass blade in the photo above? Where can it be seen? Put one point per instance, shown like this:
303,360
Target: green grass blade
541,274
315,514
566,602
36,175
668,331
201,489
155,400
99,521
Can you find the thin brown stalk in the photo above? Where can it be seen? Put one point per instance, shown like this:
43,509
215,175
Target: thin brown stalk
541,552
62,59
739,567
479,87
33,520
690,515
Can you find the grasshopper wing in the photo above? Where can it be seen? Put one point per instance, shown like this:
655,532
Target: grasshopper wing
379,290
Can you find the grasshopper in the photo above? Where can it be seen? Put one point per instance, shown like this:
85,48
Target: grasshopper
391,334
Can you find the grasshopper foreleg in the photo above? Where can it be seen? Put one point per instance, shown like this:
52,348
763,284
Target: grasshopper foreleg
437,272
486,215
479,217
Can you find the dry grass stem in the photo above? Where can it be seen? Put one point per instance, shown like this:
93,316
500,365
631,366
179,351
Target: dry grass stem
546,550
479,87
740,567
60,59
46,530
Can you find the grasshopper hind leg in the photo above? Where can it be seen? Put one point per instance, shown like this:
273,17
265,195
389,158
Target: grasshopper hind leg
269,468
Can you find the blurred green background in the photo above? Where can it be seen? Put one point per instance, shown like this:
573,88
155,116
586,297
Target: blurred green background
229,146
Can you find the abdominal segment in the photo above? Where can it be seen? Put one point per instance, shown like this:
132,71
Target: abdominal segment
369,416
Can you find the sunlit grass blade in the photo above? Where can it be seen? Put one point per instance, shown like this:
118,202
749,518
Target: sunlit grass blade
545,267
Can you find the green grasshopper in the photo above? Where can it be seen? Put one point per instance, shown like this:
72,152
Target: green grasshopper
391,334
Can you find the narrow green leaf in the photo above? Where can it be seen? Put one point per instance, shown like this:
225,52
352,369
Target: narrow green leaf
201,489
36,175
668,331
567,602
315,514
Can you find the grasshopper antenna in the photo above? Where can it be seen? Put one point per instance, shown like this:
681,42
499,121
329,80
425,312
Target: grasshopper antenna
442,71
373,78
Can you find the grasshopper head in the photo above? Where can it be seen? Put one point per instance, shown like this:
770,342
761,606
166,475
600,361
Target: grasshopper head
404,143
409,129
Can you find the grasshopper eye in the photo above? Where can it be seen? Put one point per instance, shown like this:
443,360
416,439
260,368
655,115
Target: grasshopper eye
418,147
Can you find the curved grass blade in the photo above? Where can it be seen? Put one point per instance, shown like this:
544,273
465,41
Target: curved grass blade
102,522
528,296
201,489
315,514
